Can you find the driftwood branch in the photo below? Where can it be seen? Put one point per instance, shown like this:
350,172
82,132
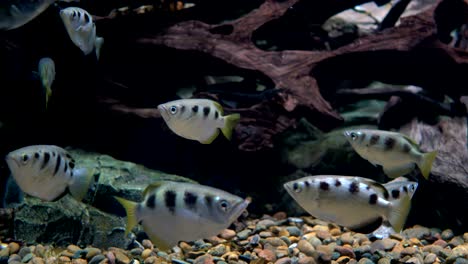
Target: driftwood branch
290,70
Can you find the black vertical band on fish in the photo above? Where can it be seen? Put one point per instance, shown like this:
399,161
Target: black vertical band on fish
151,202
45,160
190,200
170,200
57,165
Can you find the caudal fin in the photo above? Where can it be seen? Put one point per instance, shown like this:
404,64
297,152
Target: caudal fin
130,209
81,181
230,122
399,212
425,164
98,46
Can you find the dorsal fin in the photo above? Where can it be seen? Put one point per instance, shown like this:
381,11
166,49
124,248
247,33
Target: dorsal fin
219,108
153,186
410,140
377,186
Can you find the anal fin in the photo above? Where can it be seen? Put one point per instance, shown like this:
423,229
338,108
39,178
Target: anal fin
395,172
368,226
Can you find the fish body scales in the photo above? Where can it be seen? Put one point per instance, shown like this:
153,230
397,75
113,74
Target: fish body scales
343,200
174,211
197,119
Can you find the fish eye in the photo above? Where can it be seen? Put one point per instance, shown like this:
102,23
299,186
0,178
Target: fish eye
173,109
412,188
224,205
25,157
353,135
74,14
297,188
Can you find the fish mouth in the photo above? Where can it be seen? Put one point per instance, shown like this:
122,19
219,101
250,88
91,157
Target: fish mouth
11,161
239,208
288,188
163,111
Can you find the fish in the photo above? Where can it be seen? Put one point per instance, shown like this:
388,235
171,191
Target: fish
16,13
82,30
48,172
46,71
358,203
198,119
397,153
177,211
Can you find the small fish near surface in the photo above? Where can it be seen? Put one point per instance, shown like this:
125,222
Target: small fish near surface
358,203
46,71
175,211
198,119
395,152
48,172
82,30
16,13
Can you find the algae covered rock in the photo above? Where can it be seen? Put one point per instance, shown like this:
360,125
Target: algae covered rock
99,220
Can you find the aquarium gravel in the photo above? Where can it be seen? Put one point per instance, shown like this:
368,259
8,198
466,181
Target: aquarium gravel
272,239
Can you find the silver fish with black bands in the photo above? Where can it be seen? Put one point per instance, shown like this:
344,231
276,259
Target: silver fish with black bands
354,202
175,211
48,172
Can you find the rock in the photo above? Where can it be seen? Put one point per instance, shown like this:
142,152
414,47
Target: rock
305,247
456,241
384,261
409,251
413,260
293,230
264,224
323,234
306,260
284,260
386,244
146,243
275,241
447,234
73,248
151,260
244,234
343,259
27,257
79,261
268,255
95,221
345,251
121,258
5,252
14,257
465,237
440,243
97,259
347,238
324,253
91,252
14,247
418,232
64,259
204,259
365,261
282,251
24,251
265,234
37,260
146,253
218,250
430,258
227,234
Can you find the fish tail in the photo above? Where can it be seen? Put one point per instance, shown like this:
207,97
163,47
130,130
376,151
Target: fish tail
399,212
48,95
80,184
230,122
130,209
425,164
98,45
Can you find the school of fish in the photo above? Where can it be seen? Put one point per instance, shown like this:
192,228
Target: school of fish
173,211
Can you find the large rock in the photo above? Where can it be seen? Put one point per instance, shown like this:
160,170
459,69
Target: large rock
99,220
